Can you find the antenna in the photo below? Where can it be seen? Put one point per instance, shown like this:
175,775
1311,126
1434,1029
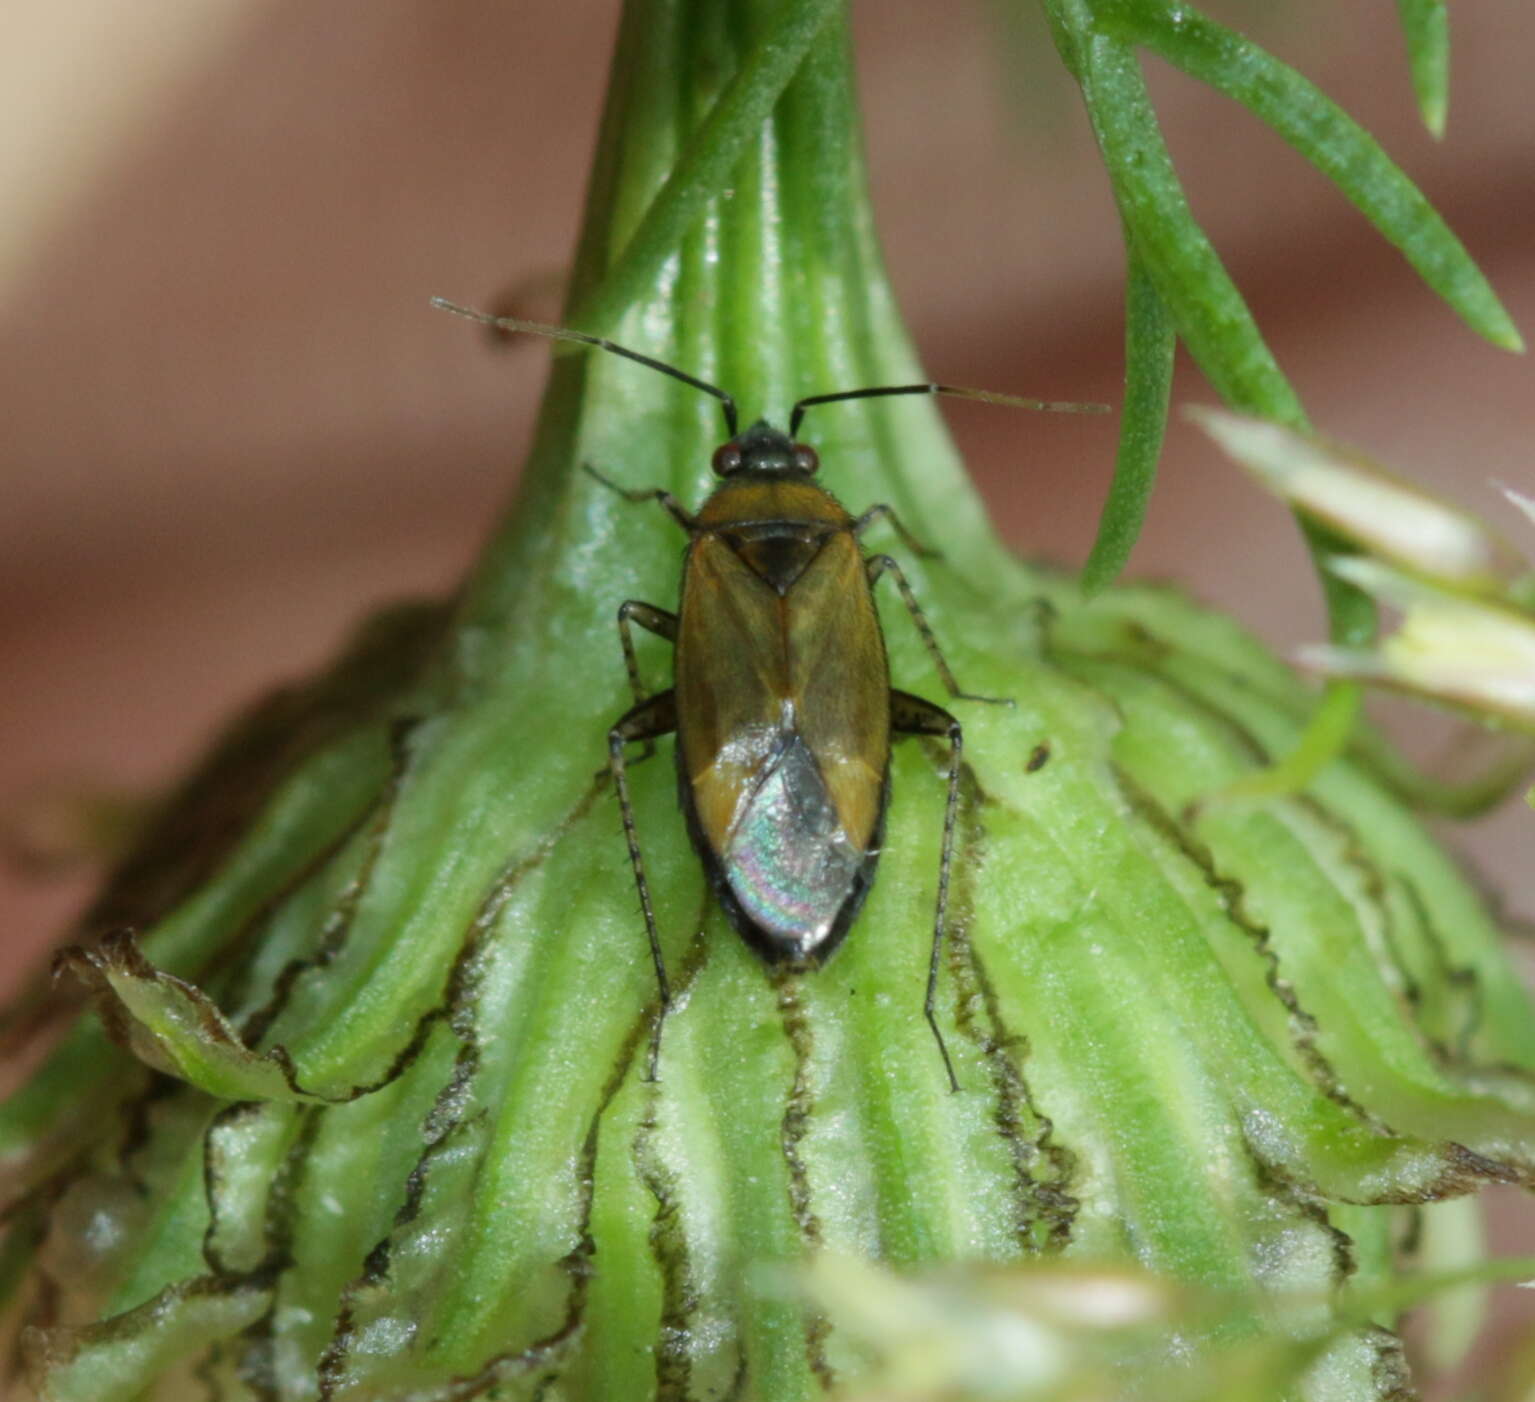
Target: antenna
986,396
561,333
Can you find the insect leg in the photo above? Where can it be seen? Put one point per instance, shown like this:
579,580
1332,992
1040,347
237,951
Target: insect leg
656,716
878,565
911,715
653,620
883,508
673,507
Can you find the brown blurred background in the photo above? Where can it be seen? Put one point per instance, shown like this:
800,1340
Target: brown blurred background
233,424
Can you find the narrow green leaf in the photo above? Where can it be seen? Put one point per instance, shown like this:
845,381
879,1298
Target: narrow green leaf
1426,25
1210,313
1332,141
1325,738
705,166
1481,790
1150,341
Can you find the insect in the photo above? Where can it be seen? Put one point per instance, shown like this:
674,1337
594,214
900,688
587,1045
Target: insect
781,703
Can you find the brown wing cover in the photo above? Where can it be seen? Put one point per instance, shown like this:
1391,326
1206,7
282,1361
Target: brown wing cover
731,678
783,734
839,674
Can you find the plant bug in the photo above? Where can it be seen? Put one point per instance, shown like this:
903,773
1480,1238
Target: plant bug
781,702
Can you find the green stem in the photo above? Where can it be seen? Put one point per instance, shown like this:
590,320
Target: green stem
705,166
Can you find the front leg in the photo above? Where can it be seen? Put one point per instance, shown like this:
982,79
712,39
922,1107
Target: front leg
911,715
674,508
878,565
883,508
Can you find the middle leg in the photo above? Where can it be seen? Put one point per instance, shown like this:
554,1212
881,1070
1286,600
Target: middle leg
674,508
885,510
653,620
911,715
646,721
880,565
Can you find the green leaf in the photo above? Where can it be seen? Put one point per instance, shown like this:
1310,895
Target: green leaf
1331,140
1325,738
1150,341
1096,43
1211,315
1212,318
1426,25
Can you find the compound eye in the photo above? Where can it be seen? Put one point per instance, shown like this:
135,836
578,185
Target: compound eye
727,459
805,459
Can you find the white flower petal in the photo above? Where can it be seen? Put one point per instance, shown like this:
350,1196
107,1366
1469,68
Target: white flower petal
1361,501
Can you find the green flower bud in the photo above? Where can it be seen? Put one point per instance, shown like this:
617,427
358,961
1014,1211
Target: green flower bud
385,1131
